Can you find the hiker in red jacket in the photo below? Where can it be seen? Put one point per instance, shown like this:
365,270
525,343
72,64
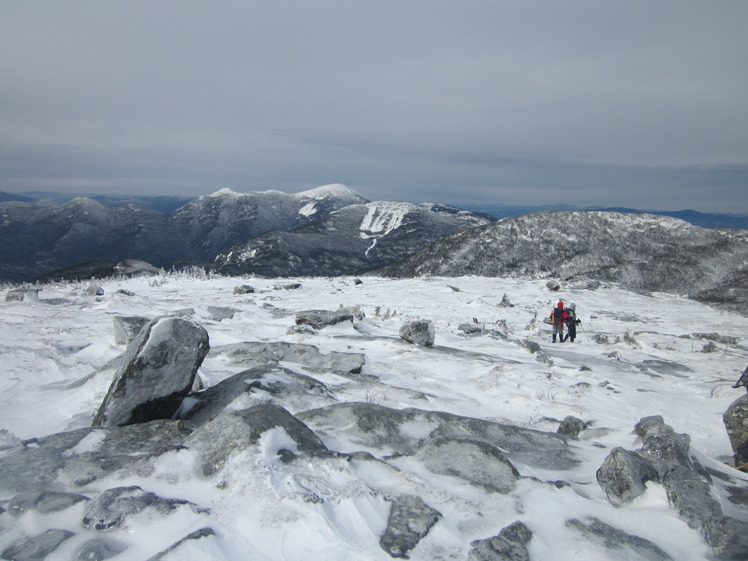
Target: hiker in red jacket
558,317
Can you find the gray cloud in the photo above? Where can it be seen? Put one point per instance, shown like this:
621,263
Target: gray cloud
634,104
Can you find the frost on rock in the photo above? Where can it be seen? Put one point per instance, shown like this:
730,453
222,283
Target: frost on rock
234,431
114,506
36,548
157,372
257,353
509,545
409,522
419,332
617,540
479,463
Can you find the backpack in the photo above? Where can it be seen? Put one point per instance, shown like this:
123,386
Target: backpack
558,315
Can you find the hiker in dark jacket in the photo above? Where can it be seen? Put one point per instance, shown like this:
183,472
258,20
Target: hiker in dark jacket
558,317
571,322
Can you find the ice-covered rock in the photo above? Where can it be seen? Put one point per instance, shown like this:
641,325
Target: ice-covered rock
409,522
736,423
418,332
157,372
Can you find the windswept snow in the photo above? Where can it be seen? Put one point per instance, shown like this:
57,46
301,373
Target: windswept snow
637,354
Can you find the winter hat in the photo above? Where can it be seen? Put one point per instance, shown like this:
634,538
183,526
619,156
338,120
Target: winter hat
560,305
572,306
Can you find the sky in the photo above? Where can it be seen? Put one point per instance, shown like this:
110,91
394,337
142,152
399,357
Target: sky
638,103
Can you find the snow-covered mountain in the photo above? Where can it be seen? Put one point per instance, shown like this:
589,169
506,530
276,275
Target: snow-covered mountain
215,222
349,240
345,442
640,251
36,238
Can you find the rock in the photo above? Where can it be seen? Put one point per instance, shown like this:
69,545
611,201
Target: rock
216,440
114,506
666,451
509,545
376,426
244,289
176,552
418,332
126,328
623,475
736,423
289,286
571,426
98,549
470,328
36,548
505,303
263,381
478,463
23,295
727,537
553,285
251,354
690,496
323,318
85,455
43,501
652,426
157,372
617,540
409,522
219,313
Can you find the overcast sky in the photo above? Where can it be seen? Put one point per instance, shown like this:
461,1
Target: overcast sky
627,103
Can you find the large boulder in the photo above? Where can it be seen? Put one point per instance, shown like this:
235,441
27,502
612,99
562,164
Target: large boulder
324,318
691,496
736,423
157,371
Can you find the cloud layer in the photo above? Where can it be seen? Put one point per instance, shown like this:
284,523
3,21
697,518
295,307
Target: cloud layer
590,103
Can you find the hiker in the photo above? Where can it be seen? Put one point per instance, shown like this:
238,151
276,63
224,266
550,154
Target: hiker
558,317
571,323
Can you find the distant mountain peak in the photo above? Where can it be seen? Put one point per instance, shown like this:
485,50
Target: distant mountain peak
337,190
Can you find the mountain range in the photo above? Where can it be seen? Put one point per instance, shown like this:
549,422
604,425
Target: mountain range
332,231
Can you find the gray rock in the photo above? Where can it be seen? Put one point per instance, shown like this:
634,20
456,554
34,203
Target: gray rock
216,440
666,451
736,424
623,475
690,495
36,548
323,318
509,545
471,328
727,537
23,295
43,502
175,551
571,426
253,353
39,465
652,426
409,522
126,328
244,289
265,381
157,372
617,540
98,549
372,425
114,506
478,463
419,332
218,313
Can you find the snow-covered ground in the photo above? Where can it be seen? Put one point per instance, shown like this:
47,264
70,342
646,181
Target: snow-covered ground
653,363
